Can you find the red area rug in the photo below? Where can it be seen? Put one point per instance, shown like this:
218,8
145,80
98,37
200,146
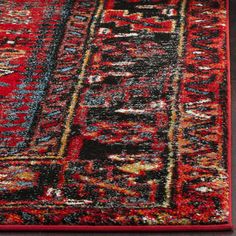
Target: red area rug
115,115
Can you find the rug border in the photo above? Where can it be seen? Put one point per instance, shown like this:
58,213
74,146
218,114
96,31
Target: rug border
88,228
163,228
229,110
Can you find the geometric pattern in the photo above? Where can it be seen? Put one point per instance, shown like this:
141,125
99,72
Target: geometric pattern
114,112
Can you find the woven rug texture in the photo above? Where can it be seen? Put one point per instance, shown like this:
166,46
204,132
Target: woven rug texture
114,113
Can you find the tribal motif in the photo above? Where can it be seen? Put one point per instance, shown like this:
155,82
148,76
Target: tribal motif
114,112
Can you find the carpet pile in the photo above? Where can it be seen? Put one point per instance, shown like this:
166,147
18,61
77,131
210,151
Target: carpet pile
114,113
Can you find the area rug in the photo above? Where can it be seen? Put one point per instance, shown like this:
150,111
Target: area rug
115,115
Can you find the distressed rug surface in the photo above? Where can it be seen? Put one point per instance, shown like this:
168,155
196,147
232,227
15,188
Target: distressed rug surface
115,114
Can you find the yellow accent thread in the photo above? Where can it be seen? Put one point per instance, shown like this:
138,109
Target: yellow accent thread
173,110
78,86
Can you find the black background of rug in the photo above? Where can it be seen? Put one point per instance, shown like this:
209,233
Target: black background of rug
233,86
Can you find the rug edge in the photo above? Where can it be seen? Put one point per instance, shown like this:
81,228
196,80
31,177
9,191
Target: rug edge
87,228
229,110
160,228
